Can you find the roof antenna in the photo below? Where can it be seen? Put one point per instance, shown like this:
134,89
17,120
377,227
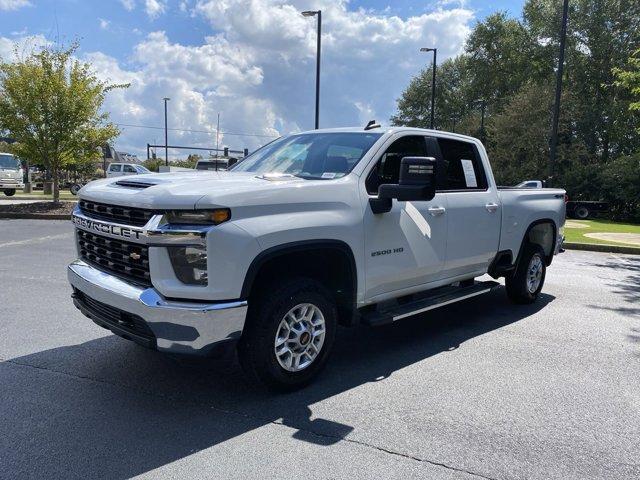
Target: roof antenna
372,124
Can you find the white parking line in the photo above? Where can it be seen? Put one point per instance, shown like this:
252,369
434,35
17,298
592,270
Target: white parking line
36,240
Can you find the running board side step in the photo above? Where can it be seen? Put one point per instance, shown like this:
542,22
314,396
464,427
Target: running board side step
439,298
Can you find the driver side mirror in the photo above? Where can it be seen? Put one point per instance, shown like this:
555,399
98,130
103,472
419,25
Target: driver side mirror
417,182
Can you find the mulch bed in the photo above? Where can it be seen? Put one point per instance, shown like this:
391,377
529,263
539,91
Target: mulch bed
43,208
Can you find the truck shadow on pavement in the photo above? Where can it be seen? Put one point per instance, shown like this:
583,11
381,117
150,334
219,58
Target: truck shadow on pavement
109,409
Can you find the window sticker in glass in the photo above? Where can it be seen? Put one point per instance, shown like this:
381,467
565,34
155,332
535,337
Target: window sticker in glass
469,173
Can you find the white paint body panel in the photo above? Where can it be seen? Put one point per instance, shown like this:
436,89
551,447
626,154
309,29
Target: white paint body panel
435,250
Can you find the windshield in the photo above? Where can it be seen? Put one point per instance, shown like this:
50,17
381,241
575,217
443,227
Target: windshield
142,169
9,162
311,155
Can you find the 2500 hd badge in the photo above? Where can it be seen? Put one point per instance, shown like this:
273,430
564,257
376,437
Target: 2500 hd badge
115,230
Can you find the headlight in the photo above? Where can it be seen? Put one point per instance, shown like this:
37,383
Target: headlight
189,264
198,217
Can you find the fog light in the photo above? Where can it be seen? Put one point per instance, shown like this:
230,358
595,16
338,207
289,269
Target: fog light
189,264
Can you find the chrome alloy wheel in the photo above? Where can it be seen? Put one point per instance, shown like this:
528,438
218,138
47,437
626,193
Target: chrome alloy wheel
300,337
534,273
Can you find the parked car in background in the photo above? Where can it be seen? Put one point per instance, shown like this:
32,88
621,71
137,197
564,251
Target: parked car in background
122,169
11,174
531,184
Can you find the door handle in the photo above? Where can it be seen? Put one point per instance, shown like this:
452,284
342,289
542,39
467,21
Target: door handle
491,207
435,211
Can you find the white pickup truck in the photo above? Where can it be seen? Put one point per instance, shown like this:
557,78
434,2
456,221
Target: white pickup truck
316,229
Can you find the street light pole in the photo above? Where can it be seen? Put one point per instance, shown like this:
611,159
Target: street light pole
556,107
433,83
483,107
318,13
166,134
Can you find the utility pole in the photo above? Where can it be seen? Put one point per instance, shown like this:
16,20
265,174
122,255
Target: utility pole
556,107
166,134
433,84
318,13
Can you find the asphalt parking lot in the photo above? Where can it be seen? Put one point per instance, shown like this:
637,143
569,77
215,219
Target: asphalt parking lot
483,389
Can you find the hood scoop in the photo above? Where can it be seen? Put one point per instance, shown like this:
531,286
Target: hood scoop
134,184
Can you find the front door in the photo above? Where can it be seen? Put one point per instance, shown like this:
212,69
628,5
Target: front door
406,247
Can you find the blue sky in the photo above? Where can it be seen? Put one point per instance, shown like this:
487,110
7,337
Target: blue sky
250,60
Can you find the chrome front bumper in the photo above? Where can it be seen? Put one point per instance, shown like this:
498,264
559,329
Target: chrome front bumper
179,327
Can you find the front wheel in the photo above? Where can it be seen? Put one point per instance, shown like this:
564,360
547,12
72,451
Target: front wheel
525,284
10,193
288,335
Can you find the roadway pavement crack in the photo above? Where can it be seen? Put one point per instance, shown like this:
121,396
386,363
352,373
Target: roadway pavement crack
278,422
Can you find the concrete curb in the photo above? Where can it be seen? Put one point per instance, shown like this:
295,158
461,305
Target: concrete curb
34,216
593,247
17,197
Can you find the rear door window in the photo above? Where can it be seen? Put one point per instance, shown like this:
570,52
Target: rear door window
115,168
462,166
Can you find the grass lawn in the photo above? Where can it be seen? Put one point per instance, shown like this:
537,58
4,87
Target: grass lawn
575,231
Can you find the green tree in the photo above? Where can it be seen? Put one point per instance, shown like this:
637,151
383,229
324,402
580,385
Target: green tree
451,104
50,104
629,78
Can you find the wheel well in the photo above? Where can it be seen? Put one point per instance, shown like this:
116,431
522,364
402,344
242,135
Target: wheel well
543,233
332,264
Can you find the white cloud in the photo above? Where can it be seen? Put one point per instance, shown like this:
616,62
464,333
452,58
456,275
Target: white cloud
128,5
14,4
22,46
155,8
257,67
104,24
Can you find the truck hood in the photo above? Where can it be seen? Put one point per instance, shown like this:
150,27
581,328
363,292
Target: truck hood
187,190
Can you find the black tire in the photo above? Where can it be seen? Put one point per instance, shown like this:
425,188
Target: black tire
517,284
582,212
10,193
256,348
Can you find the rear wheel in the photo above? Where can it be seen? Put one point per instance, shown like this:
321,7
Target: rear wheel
525,284
10,192
582,213
289,335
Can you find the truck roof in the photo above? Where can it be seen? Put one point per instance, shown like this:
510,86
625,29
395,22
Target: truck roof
389,130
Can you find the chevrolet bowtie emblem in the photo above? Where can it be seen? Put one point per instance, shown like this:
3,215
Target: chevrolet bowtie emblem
134,256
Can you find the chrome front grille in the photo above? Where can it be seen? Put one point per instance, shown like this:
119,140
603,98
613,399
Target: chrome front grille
124,259
115,213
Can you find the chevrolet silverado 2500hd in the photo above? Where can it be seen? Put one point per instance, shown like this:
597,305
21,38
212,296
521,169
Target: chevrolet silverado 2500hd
313,230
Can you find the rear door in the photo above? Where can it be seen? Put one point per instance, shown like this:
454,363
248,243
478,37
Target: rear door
473,208
404,248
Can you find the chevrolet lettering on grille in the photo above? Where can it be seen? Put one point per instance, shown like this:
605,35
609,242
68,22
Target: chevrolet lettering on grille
105,228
